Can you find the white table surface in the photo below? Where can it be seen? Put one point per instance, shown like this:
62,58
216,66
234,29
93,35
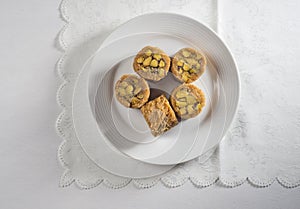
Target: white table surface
28,143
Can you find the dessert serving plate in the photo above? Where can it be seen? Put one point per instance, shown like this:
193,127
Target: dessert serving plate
124,130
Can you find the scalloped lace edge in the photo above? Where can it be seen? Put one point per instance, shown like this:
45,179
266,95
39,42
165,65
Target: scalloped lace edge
67,178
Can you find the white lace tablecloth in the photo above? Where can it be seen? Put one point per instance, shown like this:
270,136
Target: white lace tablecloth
263,144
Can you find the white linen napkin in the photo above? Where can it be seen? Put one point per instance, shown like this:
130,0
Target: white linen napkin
262,145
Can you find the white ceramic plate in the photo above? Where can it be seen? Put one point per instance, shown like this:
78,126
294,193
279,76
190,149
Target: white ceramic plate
181,31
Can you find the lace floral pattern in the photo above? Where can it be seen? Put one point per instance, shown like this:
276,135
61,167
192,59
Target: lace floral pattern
263,144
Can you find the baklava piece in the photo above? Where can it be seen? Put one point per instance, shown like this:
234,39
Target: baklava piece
159,115
152,63
187,101
132,91
188,65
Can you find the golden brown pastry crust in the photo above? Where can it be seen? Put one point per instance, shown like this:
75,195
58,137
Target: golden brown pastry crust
132,91
152,63
188,65
187,101
159,115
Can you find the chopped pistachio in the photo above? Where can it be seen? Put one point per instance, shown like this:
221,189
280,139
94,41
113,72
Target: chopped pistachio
154,63
140,60
157,56
134,100
147,61
148,52
181,94
190,99
161,63
185,78
193,71
180,63
186,53
140,95
181,104
129,89
191,61
186,67
124,84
